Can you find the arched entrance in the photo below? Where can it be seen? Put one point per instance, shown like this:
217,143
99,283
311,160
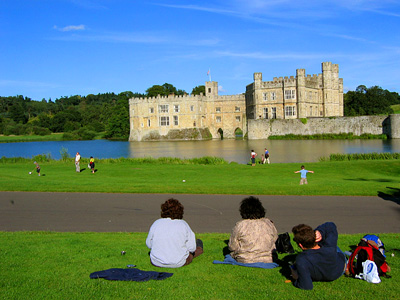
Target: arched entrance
221,133
238,134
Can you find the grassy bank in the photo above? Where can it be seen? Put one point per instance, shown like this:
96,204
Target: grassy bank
50,265
31,138
369,178
54,137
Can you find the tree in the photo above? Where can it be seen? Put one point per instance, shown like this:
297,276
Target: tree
163,90
118,124
199,89
369,101
155,90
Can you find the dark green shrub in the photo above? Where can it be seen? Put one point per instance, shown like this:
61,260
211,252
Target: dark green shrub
37,130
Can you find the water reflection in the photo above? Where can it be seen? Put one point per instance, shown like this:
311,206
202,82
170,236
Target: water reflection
231,150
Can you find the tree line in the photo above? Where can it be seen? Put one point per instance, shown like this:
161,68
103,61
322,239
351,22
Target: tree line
84,117
78,117
369,101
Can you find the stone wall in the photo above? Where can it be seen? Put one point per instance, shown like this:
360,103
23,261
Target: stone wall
262,129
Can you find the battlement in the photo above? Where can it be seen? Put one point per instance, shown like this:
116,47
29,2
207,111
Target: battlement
169,98
228,98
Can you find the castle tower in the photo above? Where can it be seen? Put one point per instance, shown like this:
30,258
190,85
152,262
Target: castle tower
301,93
211,88
257,80
327,90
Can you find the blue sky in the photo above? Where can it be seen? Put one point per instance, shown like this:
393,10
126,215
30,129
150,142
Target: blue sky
55,48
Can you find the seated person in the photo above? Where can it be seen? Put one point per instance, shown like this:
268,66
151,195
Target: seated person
321,259
171,241
253,238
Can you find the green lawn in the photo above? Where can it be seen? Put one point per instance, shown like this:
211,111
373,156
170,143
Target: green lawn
396,108
51,265
330,178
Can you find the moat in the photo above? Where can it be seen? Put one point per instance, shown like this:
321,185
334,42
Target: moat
281,151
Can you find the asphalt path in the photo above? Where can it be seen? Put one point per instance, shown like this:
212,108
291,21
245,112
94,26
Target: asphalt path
82,212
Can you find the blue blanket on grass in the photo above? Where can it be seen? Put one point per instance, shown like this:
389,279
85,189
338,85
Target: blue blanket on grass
229,260
130,275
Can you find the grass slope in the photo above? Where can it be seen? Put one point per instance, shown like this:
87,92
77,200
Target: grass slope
368,178
50,265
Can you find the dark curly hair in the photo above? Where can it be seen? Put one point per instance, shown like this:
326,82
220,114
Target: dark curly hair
252,208
172,208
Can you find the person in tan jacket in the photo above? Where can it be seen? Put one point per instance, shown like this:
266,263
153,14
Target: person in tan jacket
253,238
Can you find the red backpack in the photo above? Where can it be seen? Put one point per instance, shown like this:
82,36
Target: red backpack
367,249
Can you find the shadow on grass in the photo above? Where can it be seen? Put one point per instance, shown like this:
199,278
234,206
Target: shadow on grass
393,195
376,180
285,264
225,250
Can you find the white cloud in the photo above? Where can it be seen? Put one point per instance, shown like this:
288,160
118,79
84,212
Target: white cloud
221,89
71,28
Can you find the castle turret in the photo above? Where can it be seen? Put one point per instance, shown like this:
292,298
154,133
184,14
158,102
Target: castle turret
327,92
301,93
257,80
211,88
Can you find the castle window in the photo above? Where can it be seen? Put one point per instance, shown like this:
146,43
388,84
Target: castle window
176,108
265,96
273,96
238,119
309,95
194,124
148,123
191,107
151,110
218,109
176,121
290,94
273,112
164,121
237,108
265,112
218,119
209,90
163,108
290,111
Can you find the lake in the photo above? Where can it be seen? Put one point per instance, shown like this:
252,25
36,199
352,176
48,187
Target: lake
281,151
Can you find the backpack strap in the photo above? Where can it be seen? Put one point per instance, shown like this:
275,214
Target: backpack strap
351,266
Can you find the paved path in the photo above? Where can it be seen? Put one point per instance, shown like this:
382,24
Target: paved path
205,213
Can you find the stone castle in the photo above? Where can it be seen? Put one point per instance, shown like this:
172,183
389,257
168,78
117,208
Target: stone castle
214,116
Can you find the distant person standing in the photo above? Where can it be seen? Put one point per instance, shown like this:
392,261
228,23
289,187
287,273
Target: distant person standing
303,174
77,162
253,158
266,154
91,163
